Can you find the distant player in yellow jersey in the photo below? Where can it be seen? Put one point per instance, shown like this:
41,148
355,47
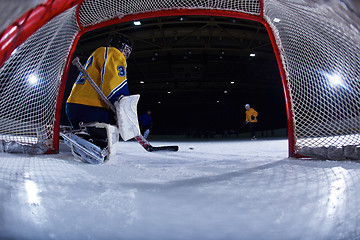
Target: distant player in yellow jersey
107,67
251,119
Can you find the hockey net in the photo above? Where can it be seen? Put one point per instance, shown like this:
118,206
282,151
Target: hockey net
316,46
320,58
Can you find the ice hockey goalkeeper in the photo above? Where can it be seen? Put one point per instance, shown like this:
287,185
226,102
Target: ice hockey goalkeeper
107,67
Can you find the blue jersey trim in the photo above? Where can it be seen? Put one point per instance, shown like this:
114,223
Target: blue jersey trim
104,66
121,90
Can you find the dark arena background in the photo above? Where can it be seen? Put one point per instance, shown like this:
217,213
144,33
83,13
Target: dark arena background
196,73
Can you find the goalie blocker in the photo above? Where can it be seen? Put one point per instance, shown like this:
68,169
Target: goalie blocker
127,119
128,124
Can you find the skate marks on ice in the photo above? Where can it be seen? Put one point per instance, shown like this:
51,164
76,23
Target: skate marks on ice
336,193
269,195
283,198
39,194
286,199
209,179
209,192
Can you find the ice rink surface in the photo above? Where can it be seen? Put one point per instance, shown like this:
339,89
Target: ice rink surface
207,190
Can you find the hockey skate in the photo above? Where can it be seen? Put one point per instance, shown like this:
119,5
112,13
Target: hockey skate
93,143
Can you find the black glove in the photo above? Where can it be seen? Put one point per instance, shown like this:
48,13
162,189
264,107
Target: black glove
252,117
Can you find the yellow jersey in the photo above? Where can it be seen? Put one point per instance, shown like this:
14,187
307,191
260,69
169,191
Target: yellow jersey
249,113
107,67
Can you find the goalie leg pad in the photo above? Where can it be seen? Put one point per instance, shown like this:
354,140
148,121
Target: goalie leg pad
84,150
109,134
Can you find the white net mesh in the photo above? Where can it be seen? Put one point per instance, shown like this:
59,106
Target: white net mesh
96,11
318,43
30,80
320,53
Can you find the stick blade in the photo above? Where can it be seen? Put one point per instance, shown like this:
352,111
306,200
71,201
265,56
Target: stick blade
165,148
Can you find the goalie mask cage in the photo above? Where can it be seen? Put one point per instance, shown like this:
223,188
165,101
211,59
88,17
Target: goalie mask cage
316,47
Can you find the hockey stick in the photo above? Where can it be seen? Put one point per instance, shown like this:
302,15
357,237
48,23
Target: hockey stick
245,123
81,68
140,139
145,143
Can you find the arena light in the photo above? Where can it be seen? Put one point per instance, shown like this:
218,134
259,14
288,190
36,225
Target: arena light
276,20
33,79
232,82
252,54
142,82
334,79
137,23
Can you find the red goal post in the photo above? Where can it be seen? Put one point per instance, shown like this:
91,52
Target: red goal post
58,25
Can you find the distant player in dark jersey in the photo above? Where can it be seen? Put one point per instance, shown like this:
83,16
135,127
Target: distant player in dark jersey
146,123
107,67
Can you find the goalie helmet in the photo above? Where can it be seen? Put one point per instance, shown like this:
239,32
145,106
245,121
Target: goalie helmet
123,44
247,106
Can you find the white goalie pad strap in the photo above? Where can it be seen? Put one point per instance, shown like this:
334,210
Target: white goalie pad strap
112,137
126,112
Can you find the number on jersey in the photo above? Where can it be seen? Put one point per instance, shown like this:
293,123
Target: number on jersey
122,72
